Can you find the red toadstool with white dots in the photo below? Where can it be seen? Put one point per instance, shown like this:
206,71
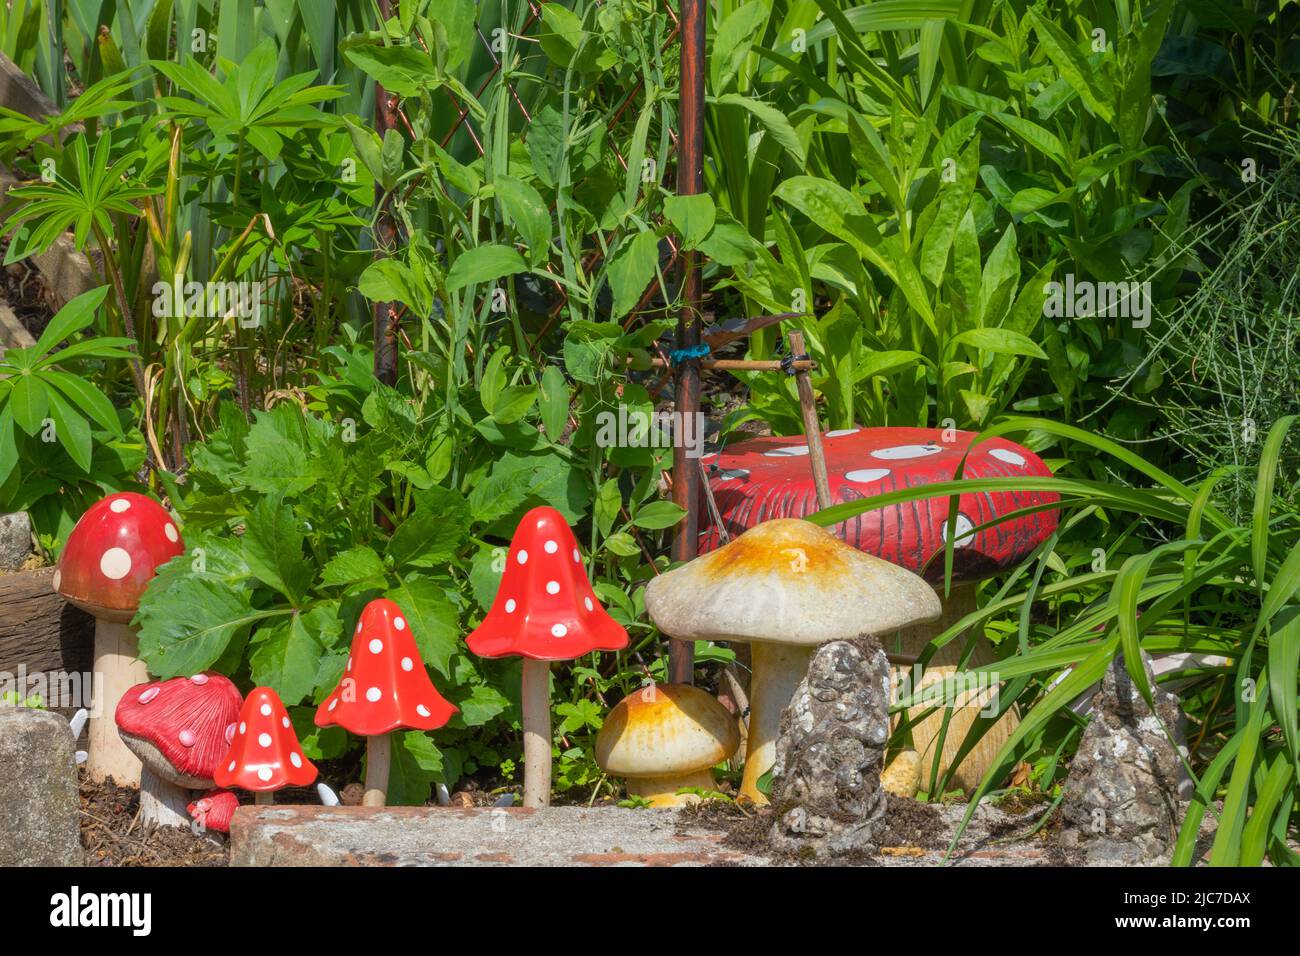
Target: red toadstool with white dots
213,811
764,478
545,610
109,559
264,755
385,687
179,729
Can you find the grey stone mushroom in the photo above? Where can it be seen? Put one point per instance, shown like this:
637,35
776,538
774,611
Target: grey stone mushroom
785,587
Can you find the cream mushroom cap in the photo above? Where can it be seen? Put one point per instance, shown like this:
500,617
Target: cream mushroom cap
788,581
665,729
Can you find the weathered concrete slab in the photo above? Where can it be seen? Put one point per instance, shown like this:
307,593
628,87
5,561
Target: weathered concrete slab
40,819
450,836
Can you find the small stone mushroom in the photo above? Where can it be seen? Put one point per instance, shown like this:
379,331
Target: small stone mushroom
385,687
545,610
785,587
109,559
264,755
212,811
179,729
664,738
769,477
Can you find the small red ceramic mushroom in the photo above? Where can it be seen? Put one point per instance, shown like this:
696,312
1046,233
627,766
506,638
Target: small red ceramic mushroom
213,810
385,687
108,561
179,729
765,478
545,610
264,755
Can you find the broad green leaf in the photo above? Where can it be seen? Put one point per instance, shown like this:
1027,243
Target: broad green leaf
435,625
526,210
692,216
483,264
73,317
352,566
273,549
631,270
1002,341
286,657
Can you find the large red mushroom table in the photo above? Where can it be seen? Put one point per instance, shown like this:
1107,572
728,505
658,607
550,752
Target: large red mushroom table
771,477
109,559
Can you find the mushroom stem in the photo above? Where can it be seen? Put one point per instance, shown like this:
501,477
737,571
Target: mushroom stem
264,798
776,672
662,791
162,803
379,754
117,669
536,699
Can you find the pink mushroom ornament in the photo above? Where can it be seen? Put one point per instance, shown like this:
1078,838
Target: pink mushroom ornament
179,729
109,559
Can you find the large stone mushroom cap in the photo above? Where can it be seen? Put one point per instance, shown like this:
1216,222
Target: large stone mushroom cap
787,582
665,729
180,728
765,478
111,555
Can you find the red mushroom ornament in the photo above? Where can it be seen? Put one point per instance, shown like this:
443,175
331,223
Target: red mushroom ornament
545,610
264,755
213,811
109,559
765,478
385,687
179,729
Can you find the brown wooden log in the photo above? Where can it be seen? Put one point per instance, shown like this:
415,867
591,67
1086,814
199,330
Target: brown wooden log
39,631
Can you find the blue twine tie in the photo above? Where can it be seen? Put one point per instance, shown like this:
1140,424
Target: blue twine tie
678,356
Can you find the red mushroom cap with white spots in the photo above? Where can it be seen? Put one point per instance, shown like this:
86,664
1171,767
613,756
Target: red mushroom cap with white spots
214,810
180,728
112,553
265,754
764,478
545,608
385,686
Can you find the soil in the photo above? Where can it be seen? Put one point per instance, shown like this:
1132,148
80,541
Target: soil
23,288
112,836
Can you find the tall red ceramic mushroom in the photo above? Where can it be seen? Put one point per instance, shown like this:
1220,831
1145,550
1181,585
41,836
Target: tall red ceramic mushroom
385,687
264,755
109,559
764,478
179,729
545,610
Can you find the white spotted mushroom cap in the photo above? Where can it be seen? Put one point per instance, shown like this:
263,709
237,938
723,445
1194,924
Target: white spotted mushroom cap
385,685
265,753
180,728
787,581
112,554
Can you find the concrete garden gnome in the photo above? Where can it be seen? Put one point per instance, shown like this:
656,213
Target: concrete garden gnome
110,557
665,738
179,729
385,687
545,610
785,587
265,755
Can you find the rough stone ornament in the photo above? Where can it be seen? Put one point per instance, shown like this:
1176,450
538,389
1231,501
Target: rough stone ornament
826,786
109,559
1122,794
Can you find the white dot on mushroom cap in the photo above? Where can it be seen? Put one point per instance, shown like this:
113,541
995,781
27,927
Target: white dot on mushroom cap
866,474
264,774
590,606
149,695
242,727
115,564
373,694
187,738
1007,455
284,722
906,451
376,645
231,768
265,710
199,679
510,606
118,505
422,710
58,576
169,529
577,558
964,528
790,451
349,663
558,630
358,630
552,587
295,760
407,664
551,547
841,431
399,623
733,474
230,733
264,740
334,703
522,557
